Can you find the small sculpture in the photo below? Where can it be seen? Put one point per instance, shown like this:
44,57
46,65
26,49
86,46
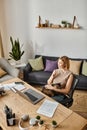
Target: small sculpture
39,24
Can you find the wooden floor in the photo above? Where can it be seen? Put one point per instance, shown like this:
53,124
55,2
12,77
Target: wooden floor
80,102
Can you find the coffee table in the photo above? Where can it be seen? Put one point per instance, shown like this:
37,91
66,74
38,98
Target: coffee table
66,118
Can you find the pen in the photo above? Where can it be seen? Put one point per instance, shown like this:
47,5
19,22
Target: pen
13,90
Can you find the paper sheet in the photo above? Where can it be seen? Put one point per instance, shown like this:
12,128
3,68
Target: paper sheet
47,108
13,85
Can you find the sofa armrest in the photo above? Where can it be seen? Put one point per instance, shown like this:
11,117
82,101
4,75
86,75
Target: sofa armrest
8,67
27,69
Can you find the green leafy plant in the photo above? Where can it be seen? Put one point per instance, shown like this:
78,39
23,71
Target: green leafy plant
54,122
41,122
38,117
16,52
64,23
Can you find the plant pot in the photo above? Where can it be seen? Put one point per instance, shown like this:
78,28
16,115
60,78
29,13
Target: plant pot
17,62
54,126
40,123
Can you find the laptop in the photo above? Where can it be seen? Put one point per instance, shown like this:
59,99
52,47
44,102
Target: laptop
31,95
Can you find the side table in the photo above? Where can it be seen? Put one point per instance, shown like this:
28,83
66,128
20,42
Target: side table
21,72
20,67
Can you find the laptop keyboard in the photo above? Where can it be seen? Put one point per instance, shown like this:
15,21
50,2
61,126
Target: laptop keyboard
33,98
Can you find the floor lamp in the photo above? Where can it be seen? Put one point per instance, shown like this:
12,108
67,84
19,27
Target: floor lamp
1,47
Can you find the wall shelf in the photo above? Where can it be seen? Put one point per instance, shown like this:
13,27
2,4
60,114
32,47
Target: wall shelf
57,28
64,24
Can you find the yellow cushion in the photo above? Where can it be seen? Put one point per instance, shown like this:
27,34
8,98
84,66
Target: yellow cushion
75,66
84,68
36,64
2,72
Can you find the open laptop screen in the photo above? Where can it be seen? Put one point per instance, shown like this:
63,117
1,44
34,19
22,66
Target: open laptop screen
31,95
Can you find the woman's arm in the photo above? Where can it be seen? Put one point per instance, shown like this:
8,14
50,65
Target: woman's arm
63,90
50,80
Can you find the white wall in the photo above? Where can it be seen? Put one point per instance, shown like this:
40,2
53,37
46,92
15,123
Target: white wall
56,41
21,16
14,23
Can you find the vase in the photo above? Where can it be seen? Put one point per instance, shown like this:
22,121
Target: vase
17,62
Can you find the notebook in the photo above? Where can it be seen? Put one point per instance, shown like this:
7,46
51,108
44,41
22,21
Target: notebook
31,95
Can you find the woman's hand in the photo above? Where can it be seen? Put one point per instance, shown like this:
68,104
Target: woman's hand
49,87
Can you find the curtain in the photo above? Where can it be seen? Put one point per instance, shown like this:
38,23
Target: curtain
1,47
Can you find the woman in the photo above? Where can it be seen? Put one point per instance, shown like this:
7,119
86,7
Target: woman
60,81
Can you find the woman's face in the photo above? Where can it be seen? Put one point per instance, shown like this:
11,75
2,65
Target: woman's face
60,63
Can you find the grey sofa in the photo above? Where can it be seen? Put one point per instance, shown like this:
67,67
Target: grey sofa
41,77
11,71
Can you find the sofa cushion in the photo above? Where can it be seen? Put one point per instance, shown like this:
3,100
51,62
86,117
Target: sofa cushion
2,72
50,65
47,57
84,68
82,82
36,64
75,66
38,77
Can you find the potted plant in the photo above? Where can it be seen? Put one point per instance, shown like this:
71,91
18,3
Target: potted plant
38,118
40,123
54,124
64,23
16,52
69,25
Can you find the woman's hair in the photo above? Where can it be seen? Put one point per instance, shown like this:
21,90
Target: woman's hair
65,59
